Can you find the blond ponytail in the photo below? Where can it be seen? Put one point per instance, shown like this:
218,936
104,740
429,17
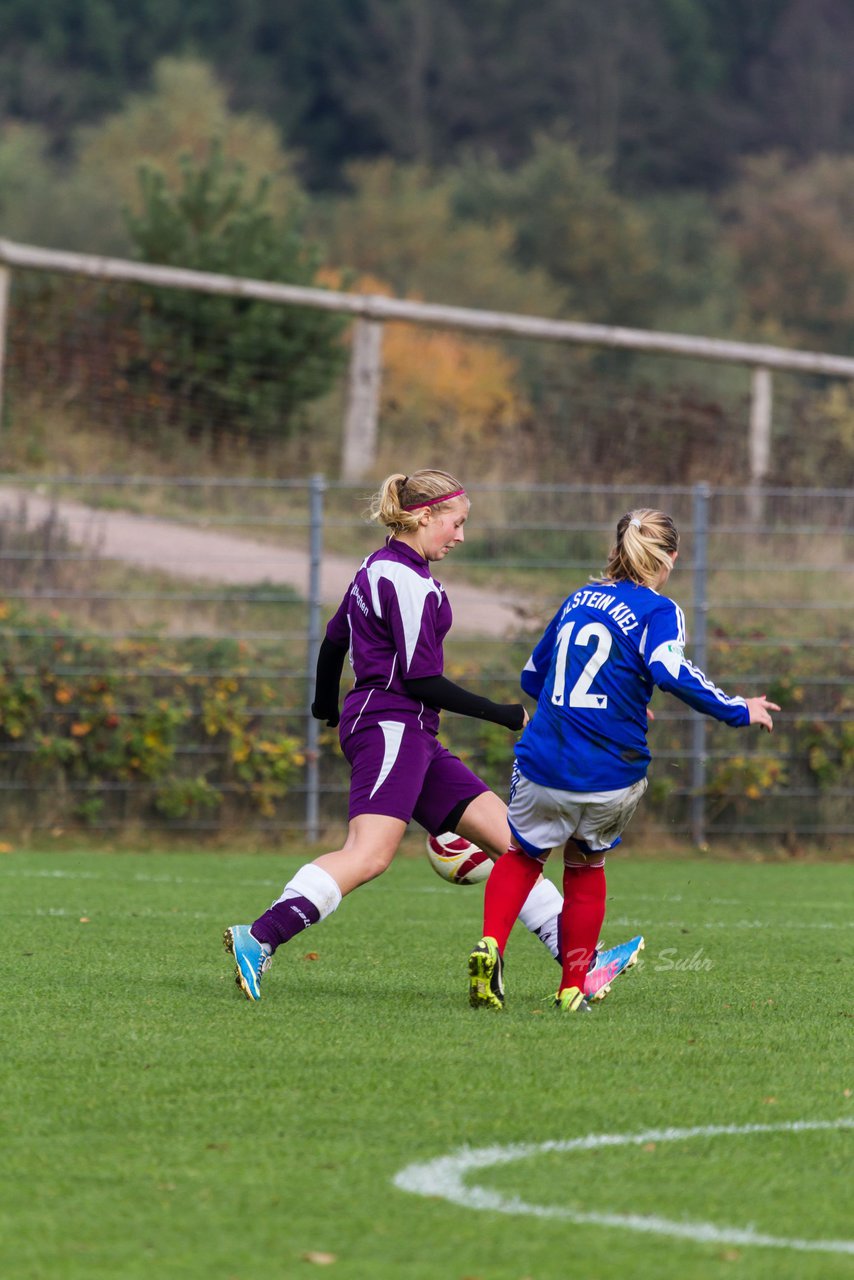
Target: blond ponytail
400,499
646,540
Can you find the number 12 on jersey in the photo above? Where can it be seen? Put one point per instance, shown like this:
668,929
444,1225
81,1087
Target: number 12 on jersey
579,694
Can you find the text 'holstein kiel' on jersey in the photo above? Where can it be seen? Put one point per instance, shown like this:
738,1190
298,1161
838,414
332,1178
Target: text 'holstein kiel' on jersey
593,673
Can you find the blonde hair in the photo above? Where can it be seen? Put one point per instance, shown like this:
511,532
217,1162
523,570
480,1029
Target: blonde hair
399,492
646,540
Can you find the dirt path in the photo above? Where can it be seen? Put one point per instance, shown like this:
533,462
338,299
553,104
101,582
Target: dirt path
197,553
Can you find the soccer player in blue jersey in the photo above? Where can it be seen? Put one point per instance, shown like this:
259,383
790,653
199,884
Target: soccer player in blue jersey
581,763
392,622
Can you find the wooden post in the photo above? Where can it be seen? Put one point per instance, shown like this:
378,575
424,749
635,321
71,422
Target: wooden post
5,280
363,398
379,308
760,439
370,311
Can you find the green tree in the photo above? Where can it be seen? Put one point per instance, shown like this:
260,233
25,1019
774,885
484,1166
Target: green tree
568,222
671,93
27,181
178,116
43,202
695,279
398,223
229,362
790,227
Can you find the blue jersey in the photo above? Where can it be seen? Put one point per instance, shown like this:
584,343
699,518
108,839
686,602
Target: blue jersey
593,674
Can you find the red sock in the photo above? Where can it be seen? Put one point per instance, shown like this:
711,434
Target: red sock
580,920
510,881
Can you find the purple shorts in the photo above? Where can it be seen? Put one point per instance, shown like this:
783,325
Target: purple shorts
401,771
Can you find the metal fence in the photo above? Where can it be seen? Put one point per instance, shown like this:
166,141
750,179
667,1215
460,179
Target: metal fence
160,636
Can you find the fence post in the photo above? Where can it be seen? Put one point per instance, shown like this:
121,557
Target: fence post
317,488
700,519
363,399
760,439
5,278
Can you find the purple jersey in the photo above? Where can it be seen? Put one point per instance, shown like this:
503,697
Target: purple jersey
392,620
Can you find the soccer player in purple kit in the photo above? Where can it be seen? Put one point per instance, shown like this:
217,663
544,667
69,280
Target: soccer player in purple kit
392,622
581,763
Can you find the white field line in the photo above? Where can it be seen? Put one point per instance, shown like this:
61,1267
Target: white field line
718,902
614,921
629,922
138,877
143,913
445,1178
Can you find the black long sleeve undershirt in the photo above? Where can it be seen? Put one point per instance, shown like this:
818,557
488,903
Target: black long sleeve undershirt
436,691
330,664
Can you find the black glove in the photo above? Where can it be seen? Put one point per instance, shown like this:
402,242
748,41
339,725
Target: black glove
330,714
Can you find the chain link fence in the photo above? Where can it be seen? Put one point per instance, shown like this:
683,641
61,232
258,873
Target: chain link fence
159,641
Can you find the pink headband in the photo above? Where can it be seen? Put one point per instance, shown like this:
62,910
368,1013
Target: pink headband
431,502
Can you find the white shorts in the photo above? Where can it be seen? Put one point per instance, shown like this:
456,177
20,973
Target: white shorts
541,818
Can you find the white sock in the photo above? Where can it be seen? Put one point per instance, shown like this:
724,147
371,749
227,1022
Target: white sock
541,913
312,882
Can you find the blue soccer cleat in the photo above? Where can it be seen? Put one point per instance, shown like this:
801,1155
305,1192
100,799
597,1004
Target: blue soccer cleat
250,957
608,965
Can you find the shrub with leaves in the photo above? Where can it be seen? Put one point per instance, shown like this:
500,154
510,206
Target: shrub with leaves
147,738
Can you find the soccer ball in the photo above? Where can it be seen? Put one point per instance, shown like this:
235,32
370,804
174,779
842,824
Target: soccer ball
457,860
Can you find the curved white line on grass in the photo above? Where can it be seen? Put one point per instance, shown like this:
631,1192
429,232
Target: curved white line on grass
445,1178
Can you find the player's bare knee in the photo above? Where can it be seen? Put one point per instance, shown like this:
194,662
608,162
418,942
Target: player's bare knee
374,862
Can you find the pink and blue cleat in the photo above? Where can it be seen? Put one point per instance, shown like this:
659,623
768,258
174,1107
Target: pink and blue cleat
608,965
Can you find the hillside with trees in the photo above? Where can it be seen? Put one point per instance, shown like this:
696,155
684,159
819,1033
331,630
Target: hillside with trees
669,93
685,165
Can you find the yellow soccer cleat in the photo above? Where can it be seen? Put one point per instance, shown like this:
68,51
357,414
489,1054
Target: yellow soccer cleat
486,976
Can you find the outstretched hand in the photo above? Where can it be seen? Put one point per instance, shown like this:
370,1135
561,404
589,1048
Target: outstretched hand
758,709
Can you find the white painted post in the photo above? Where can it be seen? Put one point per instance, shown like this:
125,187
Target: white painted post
363,400
760,439
5,280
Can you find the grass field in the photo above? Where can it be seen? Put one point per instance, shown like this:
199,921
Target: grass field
157,1125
